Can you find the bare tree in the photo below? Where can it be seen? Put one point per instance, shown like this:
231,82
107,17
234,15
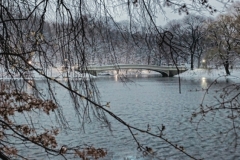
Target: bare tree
189,34
222,33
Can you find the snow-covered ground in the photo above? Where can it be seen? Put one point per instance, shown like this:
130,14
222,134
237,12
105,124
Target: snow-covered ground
210,74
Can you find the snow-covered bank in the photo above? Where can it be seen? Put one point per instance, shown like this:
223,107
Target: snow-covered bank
53,73
210,74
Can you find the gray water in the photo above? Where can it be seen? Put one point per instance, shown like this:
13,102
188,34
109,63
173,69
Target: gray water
154,101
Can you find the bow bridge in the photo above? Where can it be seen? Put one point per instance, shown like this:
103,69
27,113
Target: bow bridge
166,71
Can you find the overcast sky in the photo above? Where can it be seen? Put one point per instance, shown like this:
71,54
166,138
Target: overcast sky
162,19
117,11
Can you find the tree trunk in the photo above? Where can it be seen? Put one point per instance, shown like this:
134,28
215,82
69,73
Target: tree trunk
149,59
226,66
191,61
199,62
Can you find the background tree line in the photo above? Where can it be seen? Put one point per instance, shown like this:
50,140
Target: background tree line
195,38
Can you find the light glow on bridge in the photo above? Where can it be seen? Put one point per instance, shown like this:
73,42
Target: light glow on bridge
115,72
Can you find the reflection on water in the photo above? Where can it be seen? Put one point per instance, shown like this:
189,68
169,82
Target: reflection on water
204,83
116,77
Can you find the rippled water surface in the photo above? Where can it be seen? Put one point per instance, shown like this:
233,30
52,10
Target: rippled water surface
154,101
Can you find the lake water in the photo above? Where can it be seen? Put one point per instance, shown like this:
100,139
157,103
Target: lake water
154,101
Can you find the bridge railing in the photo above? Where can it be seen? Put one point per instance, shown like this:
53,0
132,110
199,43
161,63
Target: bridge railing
128,66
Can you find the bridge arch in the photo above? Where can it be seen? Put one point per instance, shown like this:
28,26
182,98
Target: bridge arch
164,74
